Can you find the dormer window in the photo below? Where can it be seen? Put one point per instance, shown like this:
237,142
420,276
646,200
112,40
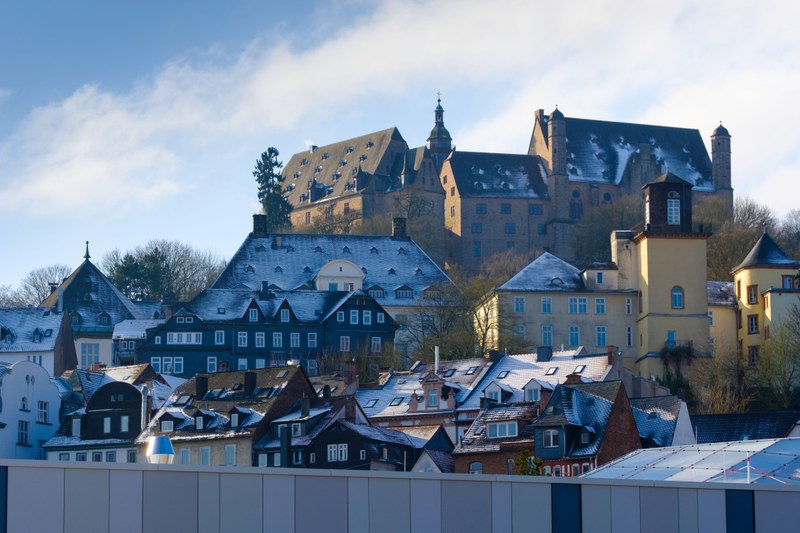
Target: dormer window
433,398
234,420
297,429
37,336
76,426
499,430
253,315
532,394
198,422
673,208
284,315
585,437
551,371
551,438
598,276
167,426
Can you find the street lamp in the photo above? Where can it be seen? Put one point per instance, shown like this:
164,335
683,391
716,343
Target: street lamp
160,450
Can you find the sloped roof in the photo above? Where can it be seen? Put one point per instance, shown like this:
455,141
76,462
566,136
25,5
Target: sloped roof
485,174
656,418
599,151
743,426
767,253
546,273
380,434
20,324
443,460
721,293
134,329
89,293
476,439
522,368
386,262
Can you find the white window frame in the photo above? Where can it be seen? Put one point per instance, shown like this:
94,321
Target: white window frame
366,318
230,455
600,334
106,425
285,315
344,343
673,211
340,316
354,316
547,335
546,304
375,345
277,339
500,430
124,423
294,340
241,339
574,335
519,304
241,363
219,337
260,339
205,455
551,438
211,364
312,340
599,306
252,315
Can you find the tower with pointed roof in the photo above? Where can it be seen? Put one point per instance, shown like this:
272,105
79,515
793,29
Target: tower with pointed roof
766,285
440,144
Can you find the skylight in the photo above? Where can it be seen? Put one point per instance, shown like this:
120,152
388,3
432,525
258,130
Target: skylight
449,372
579,369
283,373
372,403
502,374
396,401
551,371
471,370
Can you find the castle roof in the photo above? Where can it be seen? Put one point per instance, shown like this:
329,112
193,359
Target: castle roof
499,175
767,253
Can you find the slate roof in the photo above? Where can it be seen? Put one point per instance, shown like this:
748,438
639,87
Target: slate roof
656,418
476,438
398,389
586,405
19,326
767,253
491,175
721,293
381,157
379,434
743,426
599,151
522,368
443,460
134,329
546,273
89,293
385,262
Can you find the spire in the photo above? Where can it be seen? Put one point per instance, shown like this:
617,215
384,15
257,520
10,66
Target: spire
439,141
86,255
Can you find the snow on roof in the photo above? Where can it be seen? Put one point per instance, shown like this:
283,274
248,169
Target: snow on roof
298,415
546,273
767,253
28,329
134,329
487,174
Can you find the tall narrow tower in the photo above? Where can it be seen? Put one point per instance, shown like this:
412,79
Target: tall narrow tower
721,164
440,143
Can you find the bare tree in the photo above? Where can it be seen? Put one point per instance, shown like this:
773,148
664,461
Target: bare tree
35,287
10,297
721,384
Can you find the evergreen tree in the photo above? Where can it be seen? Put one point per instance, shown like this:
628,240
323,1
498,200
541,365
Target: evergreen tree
270,191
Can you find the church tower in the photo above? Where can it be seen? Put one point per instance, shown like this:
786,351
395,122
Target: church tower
721,164
440,143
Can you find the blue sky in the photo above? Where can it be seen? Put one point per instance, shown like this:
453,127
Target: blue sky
120,123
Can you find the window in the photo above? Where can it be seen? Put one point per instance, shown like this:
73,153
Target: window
547,304
521,331
677,298
510,228
297,457
332,455
230,455
340,316
219,337
598,277
375,345
111,457
477,227
211,364
284,315
711,318
205,455
106,424
297,429
344,343
452,191
294,340
519,304
787,282
476,468
541,229
404,293
90,354
547,335
532,395
260,339
600,306
535,209
354,316
574,335
184,338
551,438
253,315
198,422
452,211
44,408
629,335
673,211
241,363
97,457
337,452
166,365
23,433
628,306
124,424
752,355
476,249
578,305
551,371
366,318
396,401
501,429
76,427
80,456
242,339
277,339
752,294
185,457
576,470
131,456
752,324
505,209
333,286
600,336
166,426
480,209
312,340
63,456
155,362
433,398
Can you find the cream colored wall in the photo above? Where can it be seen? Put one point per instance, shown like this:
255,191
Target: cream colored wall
723,330
340,272
764,278
780,303
243,451
106,349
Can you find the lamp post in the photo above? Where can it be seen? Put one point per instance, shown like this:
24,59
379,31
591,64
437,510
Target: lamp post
160,450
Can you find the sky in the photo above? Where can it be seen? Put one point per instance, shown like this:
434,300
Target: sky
126,122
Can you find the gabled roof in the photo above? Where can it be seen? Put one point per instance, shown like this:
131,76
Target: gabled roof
599,150
743,426
484,174
656,418
88,292
379,434
296,260
28,329
767,253
720,293
546,273
476,439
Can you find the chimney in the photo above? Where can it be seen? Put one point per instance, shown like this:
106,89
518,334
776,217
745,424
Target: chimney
543,353
249,383
413,403
60,300
573,379
200,386
436,360
350,408
259,225
399,229
263,294
286,445
53,287
305,406
350,373
326,391
495,356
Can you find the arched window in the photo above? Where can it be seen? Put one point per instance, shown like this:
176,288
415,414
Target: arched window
673,208
576,206
677,298
476,468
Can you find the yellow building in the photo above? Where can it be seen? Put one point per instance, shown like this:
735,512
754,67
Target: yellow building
722,321
766,287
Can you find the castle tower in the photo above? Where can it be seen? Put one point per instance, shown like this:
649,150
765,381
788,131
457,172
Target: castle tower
440,143
721,164
557,135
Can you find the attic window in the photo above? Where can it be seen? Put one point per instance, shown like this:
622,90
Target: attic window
419,272
401,251
213,394
166,426
370,144
220,310
551,371
87,297
343,162
363,157
449,372
501,429
318,169
392,272
326,155
37,336
350,149
502,374
48,332
471,370
373,250
249,268
104,319
337,175
556,281
345,250
289,248
303,162
317,249
371,403
364,270
396,401
278,269
183,399
579,369
261,248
